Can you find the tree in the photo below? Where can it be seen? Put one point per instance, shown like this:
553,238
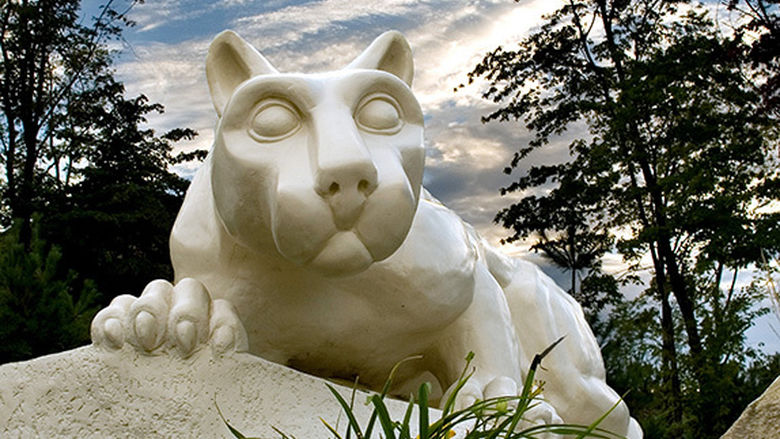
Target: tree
48,59
113,222
678,158
633,357
42,310
74,150
79,169
762,17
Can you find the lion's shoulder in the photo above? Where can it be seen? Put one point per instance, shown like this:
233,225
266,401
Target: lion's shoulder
196,232
440,245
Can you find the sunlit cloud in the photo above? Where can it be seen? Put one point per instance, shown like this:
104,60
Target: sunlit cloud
448,38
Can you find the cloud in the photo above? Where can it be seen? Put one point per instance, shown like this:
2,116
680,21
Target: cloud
293,23
148,17
448,38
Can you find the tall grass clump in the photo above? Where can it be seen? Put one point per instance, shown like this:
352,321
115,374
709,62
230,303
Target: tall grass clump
491,418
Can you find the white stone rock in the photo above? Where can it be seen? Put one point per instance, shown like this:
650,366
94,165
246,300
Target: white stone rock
89,393
306,238
761,419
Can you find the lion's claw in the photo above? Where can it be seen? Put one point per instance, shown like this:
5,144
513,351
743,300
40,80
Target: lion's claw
472,391
540,413
114,333
181,318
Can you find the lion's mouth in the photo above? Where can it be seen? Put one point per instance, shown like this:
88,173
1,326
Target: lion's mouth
344,253
307,232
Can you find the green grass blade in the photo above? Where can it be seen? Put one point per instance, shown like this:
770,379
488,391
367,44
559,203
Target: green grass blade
567,430
283,434
347,410
351,405
446,423
393,371
385,390
524,400
405,434
332,430
370,426
450,404
525,396
598,421
384,417
502,427
233,431
422,396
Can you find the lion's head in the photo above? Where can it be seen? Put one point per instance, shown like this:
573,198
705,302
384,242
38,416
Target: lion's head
325,169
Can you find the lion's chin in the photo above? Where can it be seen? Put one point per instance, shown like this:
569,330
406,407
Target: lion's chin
344,254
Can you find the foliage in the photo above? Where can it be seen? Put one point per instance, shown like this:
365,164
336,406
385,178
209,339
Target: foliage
114,222
74,150
633,357
41,310
562,222
763,19
501,417
50,63
679,165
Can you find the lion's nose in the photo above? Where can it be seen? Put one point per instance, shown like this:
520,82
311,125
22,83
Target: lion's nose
346,188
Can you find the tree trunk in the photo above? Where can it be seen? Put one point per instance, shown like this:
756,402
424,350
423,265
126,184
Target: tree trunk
669,370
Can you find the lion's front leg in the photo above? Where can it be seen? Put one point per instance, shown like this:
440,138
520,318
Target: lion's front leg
181,318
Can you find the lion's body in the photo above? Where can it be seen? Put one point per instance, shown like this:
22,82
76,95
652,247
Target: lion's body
309,217
414,302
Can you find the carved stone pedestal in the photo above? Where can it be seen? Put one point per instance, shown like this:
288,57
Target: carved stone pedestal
86,393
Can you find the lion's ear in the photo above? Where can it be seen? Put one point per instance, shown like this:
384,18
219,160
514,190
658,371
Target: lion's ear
231,61
391,53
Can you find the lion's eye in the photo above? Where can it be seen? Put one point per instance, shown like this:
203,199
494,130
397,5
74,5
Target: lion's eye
274,121
379,115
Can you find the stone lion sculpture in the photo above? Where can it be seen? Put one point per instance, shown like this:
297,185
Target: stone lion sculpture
306,238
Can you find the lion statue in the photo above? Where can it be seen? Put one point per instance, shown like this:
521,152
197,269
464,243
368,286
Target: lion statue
306,238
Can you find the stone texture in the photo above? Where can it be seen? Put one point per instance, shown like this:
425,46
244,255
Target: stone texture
761,419
87,393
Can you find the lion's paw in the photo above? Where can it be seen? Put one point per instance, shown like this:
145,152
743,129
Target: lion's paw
166,317
540,413
472,391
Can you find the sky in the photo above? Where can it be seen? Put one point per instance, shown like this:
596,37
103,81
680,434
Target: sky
163,58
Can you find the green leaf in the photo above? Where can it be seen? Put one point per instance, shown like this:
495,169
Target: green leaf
283,434
384,417
347,410
332,430
598,421
422,395
405,433
234,431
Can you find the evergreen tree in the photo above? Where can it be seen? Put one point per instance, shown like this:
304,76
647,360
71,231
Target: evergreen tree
42,310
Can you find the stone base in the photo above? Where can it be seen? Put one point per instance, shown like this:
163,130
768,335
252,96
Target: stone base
761,419
90,393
